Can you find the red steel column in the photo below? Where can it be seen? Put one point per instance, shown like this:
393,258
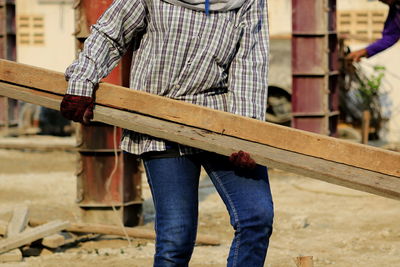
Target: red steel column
8,107
315,66
96,148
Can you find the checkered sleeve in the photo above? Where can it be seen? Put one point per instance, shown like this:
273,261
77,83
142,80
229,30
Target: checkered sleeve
109,39
248,73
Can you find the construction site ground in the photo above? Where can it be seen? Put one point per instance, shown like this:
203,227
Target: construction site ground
335,225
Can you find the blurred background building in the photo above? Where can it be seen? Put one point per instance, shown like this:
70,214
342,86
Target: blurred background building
45,33
359,22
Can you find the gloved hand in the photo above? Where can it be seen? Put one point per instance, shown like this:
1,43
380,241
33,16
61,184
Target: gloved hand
77,108
242,159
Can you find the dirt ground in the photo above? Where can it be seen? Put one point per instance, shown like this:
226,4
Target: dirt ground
337,226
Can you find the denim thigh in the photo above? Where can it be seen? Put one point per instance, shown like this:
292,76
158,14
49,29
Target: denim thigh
247,196
174,185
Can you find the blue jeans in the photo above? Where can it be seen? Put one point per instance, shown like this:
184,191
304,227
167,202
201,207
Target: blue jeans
174,185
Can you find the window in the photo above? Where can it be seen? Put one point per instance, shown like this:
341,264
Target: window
30,30
361,25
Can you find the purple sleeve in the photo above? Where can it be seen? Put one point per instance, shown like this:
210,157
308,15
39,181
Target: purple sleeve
390,34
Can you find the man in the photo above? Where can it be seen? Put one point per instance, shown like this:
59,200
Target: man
213,55
390,34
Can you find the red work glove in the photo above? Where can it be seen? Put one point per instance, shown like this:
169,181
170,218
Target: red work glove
77,108
242,159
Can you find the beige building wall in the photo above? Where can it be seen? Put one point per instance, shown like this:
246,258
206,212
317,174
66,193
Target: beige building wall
45,33
280,18
358,4
280,13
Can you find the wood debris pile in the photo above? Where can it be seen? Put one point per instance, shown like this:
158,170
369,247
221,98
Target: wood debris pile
16,235
21,236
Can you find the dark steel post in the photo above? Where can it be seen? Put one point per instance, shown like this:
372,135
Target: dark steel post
315,66
8,107
97,147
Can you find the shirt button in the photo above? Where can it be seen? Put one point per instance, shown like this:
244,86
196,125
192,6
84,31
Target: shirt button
177,86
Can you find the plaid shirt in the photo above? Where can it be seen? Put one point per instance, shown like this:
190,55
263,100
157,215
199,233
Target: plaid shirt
218,61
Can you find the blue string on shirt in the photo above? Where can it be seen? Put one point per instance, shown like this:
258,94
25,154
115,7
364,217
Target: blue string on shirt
207,7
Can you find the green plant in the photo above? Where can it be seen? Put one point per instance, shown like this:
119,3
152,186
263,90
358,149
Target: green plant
368,88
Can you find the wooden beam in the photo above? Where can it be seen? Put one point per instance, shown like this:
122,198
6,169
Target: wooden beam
34,146
136,232
32,235
19,221
58,239
306,143
332,172
365,124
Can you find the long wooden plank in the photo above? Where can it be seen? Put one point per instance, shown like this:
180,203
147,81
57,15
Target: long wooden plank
319,146
35,146
31,235
135,232
332,172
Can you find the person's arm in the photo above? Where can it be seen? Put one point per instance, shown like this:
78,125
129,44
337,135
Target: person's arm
109,39
248,73
390,35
